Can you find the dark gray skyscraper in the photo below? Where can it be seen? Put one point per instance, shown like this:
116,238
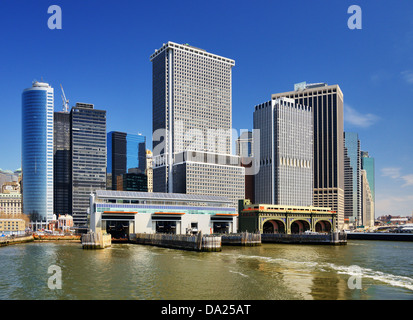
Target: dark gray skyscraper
88,158
61,164
327,105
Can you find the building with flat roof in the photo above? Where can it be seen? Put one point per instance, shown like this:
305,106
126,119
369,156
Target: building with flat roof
192,112
10,226
352,178
326,102
286,153
121,213
88,144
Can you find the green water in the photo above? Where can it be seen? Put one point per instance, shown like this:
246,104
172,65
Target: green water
268,272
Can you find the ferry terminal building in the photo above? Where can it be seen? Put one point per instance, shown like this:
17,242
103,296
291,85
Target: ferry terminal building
122,213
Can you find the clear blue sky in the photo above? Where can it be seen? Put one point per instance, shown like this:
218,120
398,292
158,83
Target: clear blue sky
101,56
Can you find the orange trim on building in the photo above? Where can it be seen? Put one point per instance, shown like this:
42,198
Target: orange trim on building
169,213
119,212
226,214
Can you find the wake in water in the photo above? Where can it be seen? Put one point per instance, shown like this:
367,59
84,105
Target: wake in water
353,270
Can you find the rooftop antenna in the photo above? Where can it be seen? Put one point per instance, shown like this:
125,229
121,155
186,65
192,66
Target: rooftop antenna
65,101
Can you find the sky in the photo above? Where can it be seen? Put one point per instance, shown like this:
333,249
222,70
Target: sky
101,56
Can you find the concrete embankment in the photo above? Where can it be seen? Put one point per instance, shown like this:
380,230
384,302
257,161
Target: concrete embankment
198,242
46,237
16,240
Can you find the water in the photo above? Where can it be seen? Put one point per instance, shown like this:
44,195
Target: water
268,272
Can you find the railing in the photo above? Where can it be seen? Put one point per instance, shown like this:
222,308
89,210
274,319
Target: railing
331,238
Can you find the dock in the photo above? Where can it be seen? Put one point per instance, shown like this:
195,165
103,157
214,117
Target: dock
241,239
335,238
97,240
380,236
206,243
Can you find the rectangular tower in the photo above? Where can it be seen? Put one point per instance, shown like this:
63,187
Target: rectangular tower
326,102
62,164
286,153
88,144
352,178
192,111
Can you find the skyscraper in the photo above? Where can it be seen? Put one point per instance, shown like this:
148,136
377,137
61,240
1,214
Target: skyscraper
326,102
62,164
88,144
352,178
192,123
367,203
125,151
286,160
37,151
367,163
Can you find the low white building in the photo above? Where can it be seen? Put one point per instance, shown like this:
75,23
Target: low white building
123,212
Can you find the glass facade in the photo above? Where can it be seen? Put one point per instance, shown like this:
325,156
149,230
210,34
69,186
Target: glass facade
352,188
37,151
125,152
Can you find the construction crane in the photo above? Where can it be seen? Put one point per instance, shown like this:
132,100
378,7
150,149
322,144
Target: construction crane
65,101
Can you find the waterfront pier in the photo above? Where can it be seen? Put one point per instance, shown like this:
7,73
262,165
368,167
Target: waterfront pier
98,240
241,239
198,242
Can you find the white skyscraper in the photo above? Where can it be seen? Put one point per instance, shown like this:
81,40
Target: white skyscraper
192,123
286,153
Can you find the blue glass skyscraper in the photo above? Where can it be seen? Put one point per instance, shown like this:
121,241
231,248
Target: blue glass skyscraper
37,151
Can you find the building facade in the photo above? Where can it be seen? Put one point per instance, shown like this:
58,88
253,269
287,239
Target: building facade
88,144
10,203
125,151
122,213
62,164
367,163
37,151
367,205
192,111
286,153
326,102
352,178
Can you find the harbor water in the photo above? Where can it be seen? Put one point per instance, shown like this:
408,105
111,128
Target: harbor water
360,270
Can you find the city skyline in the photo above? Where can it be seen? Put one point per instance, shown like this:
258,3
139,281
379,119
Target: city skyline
372,67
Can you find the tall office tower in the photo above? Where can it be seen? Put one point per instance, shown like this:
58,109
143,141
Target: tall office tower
37,151
326,103
192,108
352,178
367,163
62,164
367,204
286,153
125,151
88,146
